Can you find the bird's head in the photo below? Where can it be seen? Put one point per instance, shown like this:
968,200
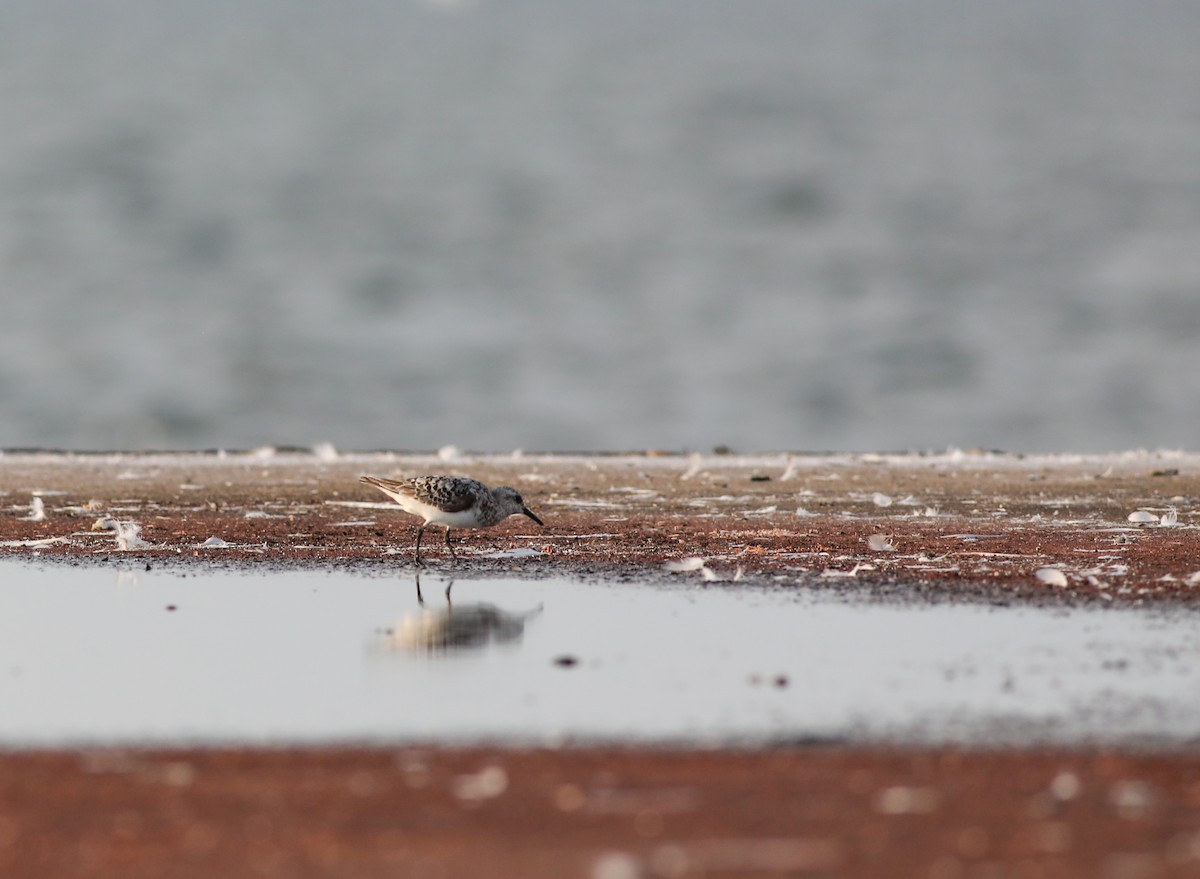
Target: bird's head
510,499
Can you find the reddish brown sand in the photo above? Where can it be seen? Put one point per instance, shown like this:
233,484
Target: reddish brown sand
963,525
609,813
599,813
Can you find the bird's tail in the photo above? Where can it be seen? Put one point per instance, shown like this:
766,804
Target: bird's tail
387,485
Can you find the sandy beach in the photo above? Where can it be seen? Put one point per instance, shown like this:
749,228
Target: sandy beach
961,525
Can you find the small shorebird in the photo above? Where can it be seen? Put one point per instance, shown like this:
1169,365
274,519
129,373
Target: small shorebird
453,502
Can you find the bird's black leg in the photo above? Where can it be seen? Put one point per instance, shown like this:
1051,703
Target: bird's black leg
450,547
420,531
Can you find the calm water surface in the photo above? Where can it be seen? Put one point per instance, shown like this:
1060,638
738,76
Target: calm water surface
103,655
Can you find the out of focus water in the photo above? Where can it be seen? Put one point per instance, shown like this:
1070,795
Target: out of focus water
774,224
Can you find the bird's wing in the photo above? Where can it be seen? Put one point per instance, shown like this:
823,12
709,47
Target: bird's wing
451,494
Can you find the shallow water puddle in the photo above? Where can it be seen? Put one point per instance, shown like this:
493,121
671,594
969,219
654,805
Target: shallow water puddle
92,654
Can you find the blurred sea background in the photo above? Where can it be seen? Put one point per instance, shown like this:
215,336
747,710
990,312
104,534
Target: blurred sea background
600,224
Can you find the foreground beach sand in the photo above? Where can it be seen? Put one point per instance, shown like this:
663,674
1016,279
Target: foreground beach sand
970,525
600,813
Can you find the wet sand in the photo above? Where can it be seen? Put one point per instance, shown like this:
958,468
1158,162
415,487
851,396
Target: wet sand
964,525
607,814
961,524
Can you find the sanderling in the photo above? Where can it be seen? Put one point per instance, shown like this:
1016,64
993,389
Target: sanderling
453,502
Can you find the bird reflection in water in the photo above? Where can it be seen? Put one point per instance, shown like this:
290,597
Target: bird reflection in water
457,627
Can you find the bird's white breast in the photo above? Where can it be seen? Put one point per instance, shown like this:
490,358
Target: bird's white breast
462,519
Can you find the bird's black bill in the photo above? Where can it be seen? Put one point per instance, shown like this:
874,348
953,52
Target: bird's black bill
529,513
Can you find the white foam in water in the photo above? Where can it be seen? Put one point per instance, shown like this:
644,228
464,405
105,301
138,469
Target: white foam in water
125,656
